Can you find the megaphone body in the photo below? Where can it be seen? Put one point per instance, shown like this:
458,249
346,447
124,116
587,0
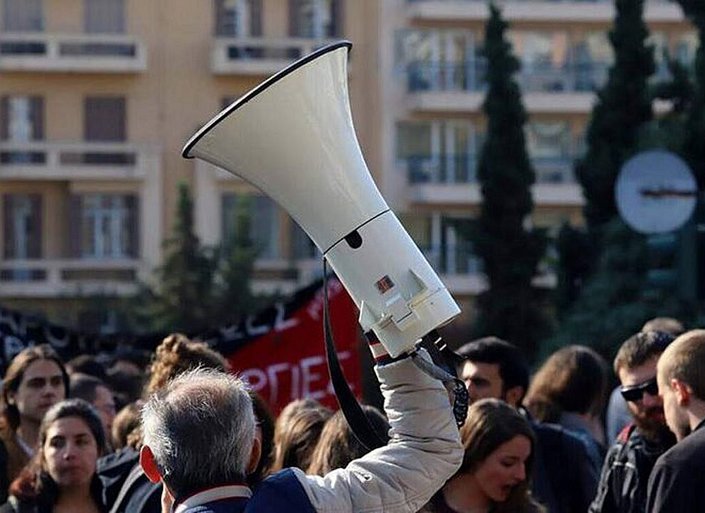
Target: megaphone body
293,138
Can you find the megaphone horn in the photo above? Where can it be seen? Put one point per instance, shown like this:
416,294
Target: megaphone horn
293,137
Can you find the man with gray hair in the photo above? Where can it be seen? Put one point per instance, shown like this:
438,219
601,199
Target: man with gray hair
199,441
677,482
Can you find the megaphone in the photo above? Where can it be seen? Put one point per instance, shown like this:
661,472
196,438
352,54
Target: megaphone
293,137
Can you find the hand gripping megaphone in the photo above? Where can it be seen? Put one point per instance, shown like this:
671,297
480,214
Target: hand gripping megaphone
293,138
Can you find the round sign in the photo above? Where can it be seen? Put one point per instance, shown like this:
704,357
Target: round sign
655,192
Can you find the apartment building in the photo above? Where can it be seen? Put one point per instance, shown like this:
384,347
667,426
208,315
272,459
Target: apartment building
97,98
433,123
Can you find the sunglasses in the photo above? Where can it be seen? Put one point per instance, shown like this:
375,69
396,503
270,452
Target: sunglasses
635,393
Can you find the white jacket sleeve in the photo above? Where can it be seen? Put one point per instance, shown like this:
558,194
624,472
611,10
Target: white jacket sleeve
423,452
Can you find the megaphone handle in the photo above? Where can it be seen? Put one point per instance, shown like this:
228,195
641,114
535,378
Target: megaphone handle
355,417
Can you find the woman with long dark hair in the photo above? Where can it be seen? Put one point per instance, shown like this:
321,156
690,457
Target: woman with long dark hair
494,475
61,478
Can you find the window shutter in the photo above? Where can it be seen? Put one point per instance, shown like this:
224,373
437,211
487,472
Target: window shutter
4,117
8,227
75,226
294,7
338,15
34,237
104,119
133,225
37,113
255,18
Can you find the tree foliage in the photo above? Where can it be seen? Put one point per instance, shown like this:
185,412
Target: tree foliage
623,105
197,288
510,253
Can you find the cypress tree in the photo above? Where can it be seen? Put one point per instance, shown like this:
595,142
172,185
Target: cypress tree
181,299
623,106
510,252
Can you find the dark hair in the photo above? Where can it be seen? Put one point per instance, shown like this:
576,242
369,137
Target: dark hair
15,374
338,446
265,422
665,324
573,379
83,386
513,368
296,432
87,365
34,483
640,348
489,424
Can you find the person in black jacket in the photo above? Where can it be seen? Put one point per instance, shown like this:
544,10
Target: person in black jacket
625,474
677,482
563,478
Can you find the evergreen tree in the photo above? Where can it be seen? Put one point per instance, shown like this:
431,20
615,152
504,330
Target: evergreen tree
693,148
233,294
510,253
614,304
182,297
623,105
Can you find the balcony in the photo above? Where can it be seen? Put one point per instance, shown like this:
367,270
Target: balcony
451,180
460,87
588,11
77,53
41,160
71,277
459,268
258,56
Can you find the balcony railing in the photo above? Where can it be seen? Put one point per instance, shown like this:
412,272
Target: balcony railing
533,1
55,278
462,169
453,259
441,169
470,76
257,56
107,53
83,160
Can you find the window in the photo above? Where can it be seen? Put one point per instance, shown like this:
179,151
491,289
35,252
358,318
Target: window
252,220
22,16
551,150
104,226
22,226
438,151
104,119
238,18
21,121
317,19
439,59
592,57
303,246
544,58
104,16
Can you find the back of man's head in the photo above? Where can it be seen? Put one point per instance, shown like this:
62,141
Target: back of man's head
200,429
640,349
665,324
684,360
513,368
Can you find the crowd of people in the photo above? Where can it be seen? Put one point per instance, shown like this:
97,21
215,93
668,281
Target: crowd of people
179,432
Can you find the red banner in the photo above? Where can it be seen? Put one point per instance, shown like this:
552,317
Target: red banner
288,362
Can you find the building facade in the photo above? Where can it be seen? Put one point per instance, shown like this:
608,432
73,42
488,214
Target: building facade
97,97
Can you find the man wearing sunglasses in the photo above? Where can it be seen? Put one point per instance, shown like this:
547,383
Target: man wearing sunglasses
625,473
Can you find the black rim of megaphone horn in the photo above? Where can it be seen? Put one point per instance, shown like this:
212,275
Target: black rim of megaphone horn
257,90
